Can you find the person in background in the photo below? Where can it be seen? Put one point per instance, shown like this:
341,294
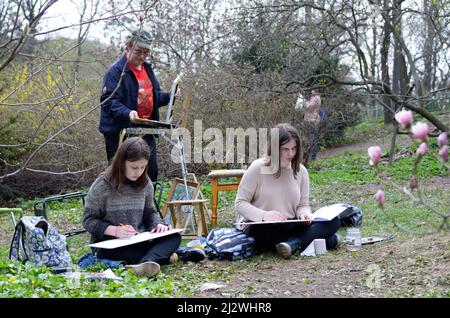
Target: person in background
312,119
130,91
119,204
280,195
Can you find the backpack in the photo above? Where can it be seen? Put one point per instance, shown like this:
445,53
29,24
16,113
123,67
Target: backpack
40,243
230,244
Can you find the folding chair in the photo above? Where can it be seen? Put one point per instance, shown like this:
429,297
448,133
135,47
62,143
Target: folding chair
40,207
157,194
11,212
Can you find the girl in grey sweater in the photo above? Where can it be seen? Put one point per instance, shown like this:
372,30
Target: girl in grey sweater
120,204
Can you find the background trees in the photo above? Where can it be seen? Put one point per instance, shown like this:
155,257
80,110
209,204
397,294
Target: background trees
246,62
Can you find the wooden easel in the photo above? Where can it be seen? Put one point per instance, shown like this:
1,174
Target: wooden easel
185,107
192,177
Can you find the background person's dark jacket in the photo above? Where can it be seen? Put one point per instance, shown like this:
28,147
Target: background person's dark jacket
115,111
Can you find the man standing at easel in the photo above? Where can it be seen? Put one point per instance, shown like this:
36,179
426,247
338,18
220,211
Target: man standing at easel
131,91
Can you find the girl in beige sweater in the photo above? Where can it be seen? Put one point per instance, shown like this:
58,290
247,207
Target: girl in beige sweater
276,188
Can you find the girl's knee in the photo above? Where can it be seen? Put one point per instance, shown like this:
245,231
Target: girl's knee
336,223
176,237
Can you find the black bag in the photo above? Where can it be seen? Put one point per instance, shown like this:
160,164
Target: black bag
352,216
230,244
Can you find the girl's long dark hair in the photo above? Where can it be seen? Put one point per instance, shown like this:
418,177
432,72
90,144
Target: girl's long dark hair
132,149
286,133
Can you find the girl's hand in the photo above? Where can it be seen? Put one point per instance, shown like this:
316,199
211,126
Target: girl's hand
160,228
306,216
124,231
274,216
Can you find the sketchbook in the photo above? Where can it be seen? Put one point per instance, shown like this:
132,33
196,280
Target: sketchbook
325,213
271,222
141,237
153,123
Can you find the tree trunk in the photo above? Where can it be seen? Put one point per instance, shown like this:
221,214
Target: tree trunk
429,10
373,58
384,53
398,57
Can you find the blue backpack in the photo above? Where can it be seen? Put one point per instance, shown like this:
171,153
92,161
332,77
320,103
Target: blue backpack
230,244
39,242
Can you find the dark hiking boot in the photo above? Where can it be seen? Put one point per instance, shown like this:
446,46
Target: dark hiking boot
287,248
191,255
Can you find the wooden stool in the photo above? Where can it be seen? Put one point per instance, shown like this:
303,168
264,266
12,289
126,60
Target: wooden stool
215,176
179,221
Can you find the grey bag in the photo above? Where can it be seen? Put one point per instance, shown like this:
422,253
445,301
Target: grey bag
230,244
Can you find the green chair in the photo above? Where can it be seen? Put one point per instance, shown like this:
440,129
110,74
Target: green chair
11,212
157,194
40,207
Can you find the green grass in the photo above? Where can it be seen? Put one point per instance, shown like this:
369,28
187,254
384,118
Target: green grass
363,131
346,168
352,168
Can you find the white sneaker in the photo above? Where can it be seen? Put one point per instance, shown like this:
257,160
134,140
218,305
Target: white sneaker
148,269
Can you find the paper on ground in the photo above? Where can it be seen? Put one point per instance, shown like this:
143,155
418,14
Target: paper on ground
210,286
329,212
309,251
107,274
141,237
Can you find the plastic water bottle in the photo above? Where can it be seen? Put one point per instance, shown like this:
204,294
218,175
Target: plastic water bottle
353,239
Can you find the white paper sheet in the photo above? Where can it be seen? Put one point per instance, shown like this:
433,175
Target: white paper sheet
106,274
309,251
328,212
141,237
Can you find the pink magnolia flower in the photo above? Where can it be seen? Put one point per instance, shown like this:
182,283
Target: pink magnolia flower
141,17
444,153
420,131
422,150
374,155
404,118
442,139
379,197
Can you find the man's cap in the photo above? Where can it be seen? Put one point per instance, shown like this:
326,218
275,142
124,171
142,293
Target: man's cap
142,37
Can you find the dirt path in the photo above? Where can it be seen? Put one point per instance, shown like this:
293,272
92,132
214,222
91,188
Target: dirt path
346,148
